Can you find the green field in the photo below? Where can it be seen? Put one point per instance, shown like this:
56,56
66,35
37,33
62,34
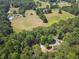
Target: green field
31,21
56,17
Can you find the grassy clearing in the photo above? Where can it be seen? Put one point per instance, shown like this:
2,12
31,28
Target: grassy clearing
63,3
55,17
31,21
27,23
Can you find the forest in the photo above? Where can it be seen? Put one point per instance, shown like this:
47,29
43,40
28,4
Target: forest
60,40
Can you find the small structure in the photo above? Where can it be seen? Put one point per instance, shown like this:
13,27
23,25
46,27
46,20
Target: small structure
10,18
54,46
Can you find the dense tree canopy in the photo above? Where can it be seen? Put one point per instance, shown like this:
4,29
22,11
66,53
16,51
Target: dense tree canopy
5,25
27,44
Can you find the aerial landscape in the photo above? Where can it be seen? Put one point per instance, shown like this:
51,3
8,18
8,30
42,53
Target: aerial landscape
39,29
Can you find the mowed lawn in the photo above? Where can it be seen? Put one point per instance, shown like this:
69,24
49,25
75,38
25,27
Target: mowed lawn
55,17
32,21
